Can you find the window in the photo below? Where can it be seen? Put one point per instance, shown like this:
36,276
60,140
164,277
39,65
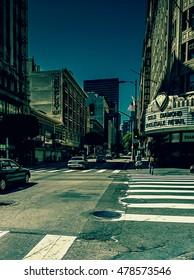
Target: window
14,165
92,109
147,90
2,106
191,49
191,17
183,53
173,30
146,97
6,165
191,82
184,21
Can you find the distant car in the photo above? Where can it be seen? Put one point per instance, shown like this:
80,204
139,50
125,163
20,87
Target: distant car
78,162
91,156
100,158
192,168
12,173
108,156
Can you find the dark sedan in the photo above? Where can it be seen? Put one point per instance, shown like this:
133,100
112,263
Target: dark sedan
12,173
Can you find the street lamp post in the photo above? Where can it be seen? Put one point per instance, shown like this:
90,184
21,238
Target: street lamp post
134,132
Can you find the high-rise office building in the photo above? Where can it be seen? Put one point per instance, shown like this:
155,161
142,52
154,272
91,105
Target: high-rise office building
109,88
13,56
14,98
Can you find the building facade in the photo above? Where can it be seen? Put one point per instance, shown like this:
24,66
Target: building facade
14,98
99,111
109,88
57,94
166,114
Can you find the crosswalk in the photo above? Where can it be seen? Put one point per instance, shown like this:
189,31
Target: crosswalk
148,199
148,194
65,170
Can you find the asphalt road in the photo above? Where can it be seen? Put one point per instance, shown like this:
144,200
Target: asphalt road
109,211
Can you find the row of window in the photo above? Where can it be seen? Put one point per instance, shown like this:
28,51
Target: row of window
9,108
11,84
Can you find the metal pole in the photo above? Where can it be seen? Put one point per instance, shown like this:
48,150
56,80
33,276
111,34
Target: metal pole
134,123
7,147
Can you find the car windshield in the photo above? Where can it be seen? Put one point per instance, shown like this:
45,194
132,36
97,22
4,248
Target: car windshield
77,158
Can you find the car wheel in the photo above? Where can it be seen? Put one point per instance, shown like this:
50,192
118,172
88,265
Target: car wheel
3,184
27,178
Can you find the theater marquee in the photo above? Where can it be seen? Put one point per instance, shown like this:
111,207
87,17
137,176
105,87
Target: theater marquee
168,113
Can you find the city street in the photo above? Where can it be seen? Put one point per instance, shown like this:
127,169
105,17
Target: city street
108,211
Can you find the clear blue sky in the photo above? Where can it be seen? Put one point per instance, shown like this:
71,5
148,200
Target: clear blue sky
95,39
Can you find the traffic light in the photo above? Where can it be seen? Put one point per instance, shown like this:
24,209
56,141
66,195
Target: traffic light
136,134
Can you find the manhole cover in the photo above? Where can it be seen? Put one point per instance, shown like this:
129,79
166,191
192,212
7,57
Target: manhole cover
107,214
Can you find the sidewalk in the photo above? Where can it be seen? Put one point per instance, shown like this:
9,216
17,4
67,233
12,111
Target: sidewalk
46,165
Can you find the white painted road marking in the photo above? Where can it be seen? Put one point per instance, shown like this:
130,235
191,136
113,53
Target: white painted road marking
101,171
161,196
162,186
160,205
156,183
2,233
116,171
51,247
159,191
156,218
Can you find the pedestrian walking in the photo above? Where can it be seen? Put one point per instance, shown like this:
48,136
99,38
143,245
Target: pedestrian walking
138,163
151,165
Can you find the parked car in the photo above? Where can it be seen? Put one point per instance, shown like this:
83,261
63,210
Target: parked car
100,158
192,168
78,162
12,173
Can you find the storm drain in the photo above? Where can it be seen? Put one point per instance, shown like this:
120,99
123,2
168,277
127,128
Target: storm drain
107,214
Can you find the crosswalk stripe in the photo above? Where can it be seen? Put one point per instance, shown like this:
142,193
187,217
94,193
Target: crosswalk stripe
51,247
161,205
101,171
163,183
160,197
2,233
160,191
161,186
156,218
53,171
68,171
87,170
116,171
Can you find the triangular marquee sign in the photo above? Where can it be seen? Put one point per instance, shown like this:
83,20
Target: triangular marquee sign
162,100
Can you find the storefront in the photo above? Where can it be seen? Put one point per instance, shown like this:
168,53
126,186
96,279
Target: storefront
169,126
